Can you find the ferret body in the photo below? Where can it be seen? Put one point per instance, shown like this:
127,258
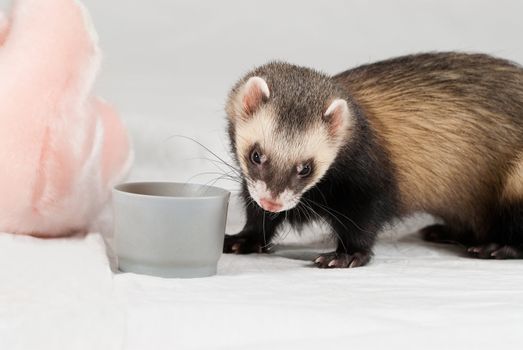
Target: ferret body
440,133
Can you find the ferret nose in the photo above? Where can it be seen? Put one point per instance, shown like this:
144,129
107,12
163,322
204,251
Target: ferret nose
270,205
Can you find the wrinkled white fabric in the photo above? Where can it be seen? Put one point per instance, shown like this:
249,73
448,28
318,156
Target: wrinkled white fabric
60,294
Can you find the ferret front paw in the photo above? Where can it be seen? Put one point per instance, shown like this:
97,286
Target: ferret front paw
496,251
243,244
342,260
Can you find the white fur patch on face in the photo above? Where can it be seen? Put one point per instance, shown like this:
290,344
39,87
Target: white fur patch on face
258,191
258,129
289,199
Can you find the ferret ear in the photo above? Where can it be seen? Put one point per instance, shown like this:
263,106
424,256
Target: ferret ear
253,94
338,117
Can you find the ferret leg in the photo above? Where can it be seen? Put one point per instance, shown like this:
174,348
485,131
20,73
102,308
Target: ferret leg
256,235
438,233
354,243
442,233
505,239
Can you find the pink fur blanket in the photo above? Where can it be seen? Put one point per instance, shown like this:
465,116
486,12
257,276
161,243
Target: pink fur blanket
61,148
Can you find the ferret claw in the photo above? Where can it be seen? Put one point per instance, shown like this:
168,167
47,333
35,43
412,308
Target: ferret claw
342,260
496,251
235,247
319,259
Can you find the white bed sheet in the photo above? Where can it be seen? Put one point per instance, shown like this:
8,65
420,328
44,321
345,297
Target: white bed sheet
61,294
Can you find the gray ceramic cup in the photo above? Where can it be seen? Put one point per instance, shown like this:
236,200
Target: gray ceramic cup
169,229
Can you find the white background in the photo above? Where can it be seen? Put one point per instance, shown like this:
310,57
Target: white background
169,64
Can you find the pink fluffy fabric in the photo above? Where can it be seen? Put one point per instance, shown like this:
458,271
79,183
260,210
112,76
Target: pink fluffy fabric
61,148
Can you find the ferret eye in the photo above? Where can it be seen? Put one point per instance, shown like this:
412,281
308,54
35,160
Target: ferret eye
304,170
256,158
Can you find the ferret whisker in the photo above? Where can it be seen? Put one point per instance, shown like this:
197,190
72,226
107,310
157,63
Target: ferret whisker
327,212
204,147
330,211
307,211
322,195
263,223
216,179
250,202
205,173
298,212
282,237
322,218
216,164
224,178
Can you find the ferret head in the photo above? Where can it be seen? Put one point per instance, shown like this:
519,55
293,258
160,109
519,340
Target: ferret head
286,124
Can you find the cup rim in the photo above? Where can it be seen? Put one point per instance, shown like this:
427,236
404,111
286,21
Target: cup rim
222,193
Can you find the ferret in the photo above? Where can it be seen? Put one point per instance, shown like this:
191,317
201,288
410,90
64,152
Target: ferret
440,133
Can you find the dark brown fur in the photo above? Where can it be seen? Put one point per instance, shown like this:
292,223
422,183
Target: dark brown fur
453,126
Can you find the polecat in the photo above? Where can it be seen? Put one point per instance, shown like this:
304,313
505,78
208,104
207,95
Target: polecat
440,133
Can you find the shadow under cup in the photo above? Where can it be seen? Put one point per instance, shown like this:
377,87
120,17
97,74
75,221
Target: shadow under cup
169,229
